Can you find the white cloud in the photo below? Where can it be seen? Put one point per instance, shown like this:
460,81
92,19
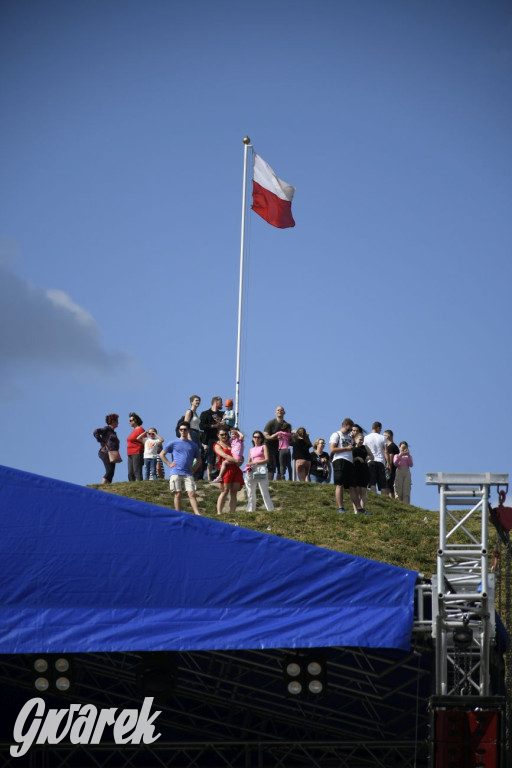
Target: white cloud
46,329
61,299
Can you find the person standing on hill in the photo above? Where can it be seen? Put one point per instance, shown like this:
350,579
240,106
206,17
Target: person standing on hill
135,448
256,473
377,445
186,456
341,447
270,431
152,443
301,455
391,451
320,471
109,442
403,462
361,455
209,424
285,439
192,418
233,478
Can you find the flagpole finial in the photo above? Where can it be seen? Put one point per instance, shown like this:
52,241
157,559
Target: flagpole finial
246,140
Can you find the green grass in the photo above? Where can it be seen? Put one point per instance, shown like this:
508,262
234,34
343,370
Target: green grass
395,533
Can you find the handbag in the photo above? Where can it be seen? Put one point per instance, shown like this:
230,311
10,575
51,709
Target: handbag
259,472
115,457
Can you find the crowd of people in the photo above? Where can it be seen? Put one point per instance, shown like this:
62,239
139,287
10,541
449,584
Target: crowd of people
209,445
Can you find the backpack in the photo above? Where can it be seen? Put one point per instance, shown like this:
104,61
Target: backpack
338,441
181,421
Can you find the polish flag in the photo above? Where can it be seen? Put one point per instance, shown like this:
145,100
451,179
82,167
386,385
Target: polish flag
271,197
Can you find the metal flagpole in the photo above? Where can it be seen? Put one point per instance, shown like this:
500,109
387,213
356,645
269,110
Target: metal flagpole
247,144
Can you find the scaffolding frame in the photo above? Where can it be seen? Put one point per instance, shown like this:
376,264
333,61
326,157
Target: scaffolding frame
230,709
463,625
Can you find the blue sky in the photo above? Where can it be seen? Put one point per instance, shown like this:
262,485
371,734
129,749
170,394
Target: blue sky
120,205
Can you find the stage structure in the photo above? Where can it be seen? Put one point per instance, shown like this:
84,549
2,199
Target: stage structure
469,712
210,618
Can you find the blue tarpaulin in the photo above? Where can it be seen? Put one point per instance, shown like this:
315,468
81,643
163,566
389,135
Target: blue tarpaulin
89,571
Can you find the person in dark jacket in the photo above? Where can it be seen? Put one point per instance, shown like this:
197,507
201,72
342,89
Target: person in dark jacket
320,471
109,441
209,423
301,454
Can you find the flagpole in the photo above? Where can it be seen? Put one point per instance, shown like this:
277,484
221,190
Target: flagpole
247,144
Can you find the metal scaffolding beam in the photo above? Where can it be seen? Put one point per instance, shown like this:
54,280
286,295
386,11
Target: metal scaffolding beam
463,614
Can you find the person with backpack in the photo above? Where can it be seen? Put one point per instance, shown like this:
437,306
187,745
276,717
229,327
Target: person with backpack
341,447
191,417
209,424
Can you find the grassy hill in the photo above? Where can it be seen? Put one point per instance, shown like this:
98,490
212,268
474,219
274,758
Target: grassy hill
395,533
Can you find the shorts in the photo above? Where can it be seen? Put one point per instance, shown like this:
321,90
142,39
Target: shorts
179,483
377,475
343,472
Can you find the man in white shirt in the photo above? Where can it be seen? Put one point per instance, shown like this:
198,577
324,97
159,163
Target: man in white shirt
377,445
341,447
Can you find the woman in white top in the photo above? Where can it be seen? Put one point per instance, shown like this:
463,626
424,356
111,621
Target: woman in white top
256,473
152,447
192,418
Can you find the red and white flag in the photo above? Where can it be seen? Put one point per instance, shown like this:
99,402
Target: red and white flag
271,197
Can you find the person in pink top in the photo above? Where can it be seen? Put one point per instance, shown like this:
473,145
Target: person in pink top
403,463
285,438
256,473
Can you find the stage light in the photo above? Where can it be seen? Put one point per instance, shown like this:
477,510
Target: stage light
48,673
294,687
62,684
304,674
62,665
315,686
41,684
314,668
40,674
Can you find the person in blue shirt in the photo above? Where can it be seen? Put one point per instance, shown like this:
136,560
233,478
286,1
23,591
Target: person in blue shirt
186,460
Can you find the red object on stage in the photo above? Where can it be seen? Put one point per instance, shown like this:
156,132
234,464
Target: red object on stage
504,515
466,739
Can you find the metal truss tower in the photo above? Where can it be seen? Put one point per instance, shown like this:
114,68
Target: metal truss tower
463,610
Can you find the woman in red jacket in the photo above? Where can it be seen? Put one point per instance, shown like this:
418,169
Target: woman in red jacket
135,448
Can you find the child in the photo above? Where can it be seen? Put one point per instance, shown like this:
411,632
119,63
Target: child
285,457
229,414
236,445
152,447
403,461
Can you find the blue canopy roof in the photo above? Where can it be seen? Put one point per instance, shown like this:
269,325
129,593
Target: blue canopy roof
88,571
